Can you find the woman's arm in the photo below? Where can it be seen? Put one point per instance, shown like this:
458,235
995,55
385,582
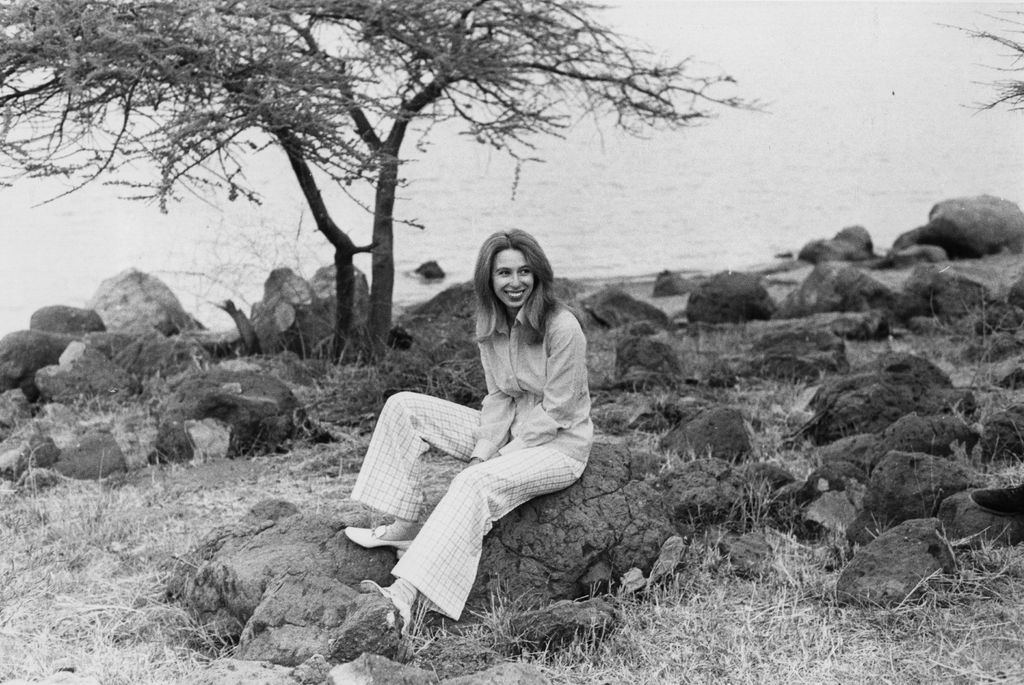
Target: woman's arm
496,414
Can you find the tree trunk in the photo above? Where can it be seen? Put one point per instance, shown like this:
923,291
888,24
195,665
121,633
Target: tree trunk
344,248
383,265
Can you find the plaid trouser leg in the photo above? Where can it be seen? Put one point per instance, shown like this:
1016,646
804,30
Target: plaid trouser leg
443,559
410,422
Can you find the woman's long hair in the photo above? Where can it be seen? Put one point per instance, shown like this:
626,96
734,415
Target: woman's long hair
542,301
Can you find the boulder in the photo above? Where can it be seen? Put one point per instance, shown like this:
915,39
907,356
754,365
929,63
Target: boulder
668,284
962,518
92,456
18,455
835,287
64,319
563,545
1002,437
283,581
83,372
797,355
226,579
22,353
730,297
913,255
373,669
852,244
261,411
611,307
892,568
749,555
700,493
430,271
938,435
718,432
863,450
970,227
298,315
556,625
943,294
136,301
870,401
907,485
643,362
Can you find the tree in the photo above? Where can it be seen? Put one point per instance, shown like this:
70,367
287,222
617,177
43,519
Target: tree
1011,91
90,88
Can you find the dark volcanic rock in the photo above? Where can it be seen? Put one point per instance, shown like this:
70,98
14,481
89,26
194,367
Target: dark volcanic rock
852,244
730,297
907,485
642,362
797,355
718,432
1003,435
22,353
260,409
962,518
63,319
940,293
133,300
870,401
970,227
612,307
701,492
890,569
835,287
93,456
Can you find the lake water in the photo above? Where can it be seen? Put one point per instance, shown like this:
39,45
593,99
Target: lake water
870,118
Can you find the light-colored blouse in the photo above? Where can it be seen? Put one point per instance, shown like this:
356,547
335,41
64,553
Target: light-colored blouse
536,394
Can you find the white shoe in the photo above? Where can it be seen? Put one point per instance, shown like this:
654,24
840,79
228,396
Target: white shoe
404,610
374,537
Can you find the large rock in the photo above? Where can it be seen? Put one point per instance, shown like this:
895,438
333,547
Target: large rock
907,485
718,432
64,319
612,307
20,454
643,361
148,354
22,353
962,518
562,545
298,315
870,401
83,372
940,435
970,227
852,244
730,297
668,284
835,287
1003,435
261,411
943,294
133,300
225,580
282,581
701,492
797,355
92,456
890,569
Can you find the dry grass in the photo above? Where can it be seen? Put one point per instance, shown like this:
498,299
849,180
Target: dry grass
83,566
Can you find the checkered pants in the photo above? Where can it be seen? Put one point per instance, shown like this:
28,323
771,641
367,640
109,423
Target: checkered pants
443,559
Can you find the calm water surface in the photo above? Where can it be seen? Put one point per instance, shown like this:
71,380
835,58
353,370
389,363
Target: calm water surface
869,119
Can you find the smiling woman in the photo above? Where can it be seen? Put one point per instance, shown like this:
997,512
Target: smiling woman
531,436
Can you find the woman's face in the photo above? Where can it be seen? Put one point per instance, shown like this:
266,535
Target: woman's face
512,279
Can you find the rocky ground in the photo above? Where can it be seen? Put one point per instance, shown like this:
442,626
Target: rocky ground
770,500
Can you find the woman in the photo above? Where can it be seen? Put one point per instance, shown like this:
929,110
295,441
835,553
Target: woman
531,436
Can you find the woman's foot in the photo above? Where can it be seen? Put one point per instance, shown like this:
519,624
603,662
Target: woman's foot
402,594
1001,501
399,535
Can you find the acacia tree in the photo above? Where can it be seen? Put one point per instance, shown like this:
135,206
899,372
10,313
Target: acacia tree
89,88
1010,91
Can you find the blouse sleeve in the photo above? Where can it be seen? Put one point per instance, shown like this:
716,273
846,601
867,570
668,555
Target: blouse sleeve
566,396
497,412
